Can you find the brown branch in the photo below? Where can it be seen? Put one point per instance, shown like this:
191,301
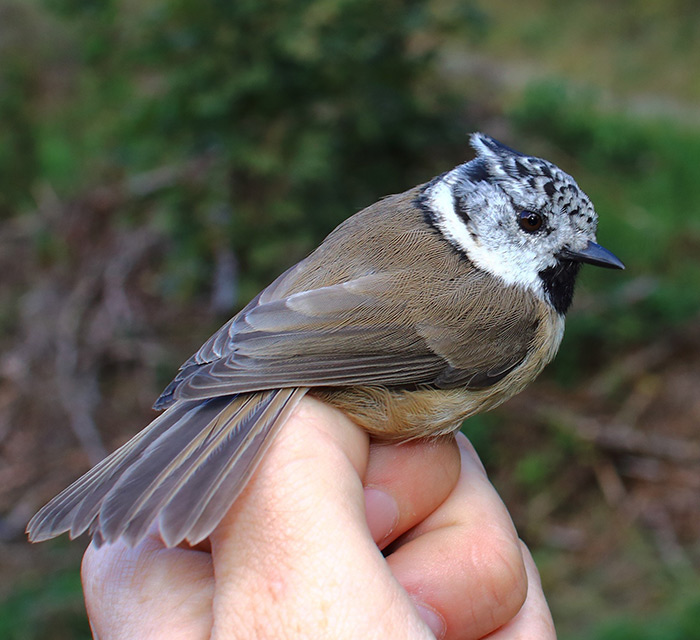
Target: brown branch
619,438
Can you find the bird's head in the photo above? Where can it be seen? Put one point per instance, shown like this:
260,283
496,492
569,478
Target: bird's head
518,217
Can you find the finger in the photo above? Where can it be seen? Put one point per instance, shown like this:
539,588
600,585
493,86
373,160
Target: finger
294,556
148,591
406,482
464,561
534,619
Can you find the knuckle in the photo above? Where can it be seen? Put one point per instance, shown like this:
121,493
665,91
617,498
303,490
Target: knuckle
504,575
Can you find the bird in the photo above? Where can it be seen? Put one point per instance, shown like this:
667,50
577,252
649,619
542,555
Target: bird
419,311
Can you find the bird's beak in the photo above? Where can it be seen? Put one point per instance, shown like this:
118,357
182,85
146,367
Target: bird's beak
593,254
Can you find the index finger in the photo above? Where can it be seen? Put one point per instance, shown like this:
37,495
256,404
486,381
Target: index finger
464,561
534,619
148,591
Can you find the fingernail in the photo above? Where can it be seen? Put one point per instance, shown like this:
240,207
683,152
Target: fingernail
433,619
382,513
467,447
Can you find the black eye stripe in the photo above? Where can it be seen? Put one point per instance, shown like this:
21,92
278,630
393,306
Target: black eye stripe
458,209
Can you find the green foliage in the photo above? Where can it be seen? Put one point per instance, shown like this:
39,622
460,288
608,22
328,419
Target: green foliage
18,85
18,161
290,100
481,430
569,119
642,47
536,469
680,621
300,113
642,176
541,469
52,609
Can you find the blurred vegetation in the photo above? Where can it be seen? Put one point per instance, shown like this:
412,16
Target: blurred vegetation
299,112
643,177
46,609
189,152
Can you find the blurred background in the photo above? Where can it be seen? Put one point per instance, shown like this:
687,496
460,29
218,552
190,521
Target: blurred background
162,161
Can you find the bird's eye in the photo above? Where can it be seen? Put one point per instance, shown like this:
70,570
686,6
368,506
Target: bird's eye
530,221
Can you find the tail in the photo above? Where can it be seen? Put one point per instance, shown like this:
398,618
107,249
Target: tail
184,470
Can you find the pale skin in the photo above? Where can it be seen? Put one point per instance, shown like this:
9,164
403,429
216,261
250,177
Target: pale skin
298,557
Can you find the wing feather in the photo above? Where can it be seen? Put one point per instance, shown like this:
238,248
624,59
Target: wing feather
370,330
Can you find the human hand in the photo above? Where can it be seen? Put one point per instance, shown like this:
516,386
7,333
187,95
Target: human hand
298,554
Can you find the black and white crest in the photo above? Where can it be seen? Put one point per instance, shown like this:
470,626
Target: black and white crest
514,216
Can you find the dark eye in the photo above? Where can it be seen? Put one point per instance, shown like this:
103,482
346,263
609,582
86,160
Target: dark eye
530,221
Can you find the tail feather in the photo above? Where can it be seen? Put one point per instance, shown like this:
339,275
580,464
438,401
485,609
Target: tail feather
152,480
76,507
201,502
186,423
184,470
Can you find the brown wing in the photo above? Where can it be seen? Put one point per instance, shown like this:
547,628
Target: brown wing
406,310
372,330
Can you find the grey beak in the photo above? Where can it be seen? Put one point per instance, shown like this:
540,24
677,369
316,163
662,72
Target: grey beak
593,254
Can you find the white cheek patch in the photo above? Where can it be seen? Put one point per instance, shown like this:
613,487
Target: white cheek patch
440,201
513,266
